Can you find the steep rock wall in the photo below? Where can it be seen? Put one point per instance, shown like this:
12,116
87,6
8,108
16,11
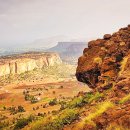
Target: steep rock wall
104,61
18,64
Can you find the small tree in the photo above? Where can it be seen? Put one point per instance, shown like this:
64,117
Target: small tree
53,102
20,109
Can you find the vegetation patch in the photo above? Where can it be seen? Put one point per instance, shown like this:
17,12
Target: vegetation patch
67,116
101,108
98,60
124,99
21,123
123,64
116,127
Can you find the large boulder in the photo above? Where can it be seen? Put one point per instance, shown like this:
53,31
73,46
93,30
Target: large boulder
104,61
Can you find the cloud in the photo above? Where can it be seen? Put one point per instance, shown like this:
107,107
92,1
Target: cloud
22,21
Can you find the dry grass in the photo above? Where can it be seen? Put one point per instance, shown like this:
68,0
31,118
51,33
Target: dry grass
101,108
123,64
116,127
125,99
98,60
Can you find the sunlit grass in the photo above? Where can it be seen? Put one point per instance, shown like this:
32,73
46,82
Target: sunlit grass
98,60
56,122
95,97
125,99
101,108
123,64
46,99
116,127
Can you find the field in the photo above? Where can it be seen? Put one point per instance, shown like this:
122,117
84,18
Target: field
37,93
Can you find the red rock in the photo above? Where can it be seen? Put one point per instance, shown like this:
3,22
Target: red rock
107,36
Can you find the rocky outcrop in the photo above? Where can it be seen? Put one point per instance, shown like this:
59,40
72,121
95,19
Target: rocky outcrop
105,67
17,64
106,61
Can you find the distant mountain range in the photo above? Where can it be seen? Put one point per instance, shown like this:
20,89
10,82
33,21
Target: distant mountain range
69,51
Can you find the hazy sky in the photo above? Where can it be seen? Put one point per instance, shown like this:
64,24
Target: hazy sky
22,21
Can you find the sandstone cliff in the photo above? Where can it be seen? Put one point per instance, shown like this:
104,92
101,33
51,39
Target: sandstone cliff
17,64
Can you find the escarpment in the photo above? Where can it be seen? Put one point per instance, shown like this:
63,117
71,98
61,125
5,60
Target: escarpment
105,67
17,64
106,61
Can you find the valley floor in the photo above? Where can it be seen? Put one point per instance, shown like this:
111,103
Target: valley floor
37,93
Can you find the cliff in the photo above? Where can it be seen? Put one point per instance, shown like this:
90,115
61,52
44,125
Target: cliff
105,67
17,64
106,58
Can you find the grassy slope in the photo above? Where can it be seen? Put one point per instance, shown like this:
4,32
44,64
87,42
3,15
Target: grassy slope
73,111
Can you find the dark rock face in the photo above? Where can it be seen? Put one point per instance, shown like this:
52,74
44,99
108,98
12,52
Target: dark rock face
105,60
89,77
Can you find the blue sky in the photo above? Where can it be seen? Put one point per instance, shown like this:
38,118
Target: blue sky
23,21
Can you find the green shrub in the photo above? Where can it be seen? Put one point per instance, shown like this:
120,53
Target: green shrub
14,110
31,98
89,97
20,109
67,116
53,102
21,123
76,102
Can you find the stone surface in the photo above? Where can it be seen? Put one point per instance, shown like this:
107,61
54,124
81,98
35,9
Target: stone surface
105,59
17,64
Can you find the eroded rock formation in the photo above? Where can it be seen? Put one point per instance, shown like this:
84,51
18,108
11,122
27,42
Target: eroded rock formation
105,67
17,64
106,60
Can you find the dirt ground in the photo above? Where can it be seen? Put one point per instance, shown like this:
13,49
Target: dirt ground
12,95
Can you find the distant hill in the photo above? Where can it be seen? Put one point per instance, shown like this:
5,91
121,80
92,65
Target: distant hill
69,51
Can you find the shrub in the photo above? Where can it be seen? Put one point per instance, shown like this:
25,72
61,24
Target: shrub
63,105
21,109
82,100
21,123
61,87
76,102
89,97
34,100
53,102
41,114
31,98
15,110
67,116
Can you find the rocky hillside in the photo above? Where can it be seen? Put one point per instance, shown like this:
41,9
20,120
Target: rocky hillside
17,64
105,67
